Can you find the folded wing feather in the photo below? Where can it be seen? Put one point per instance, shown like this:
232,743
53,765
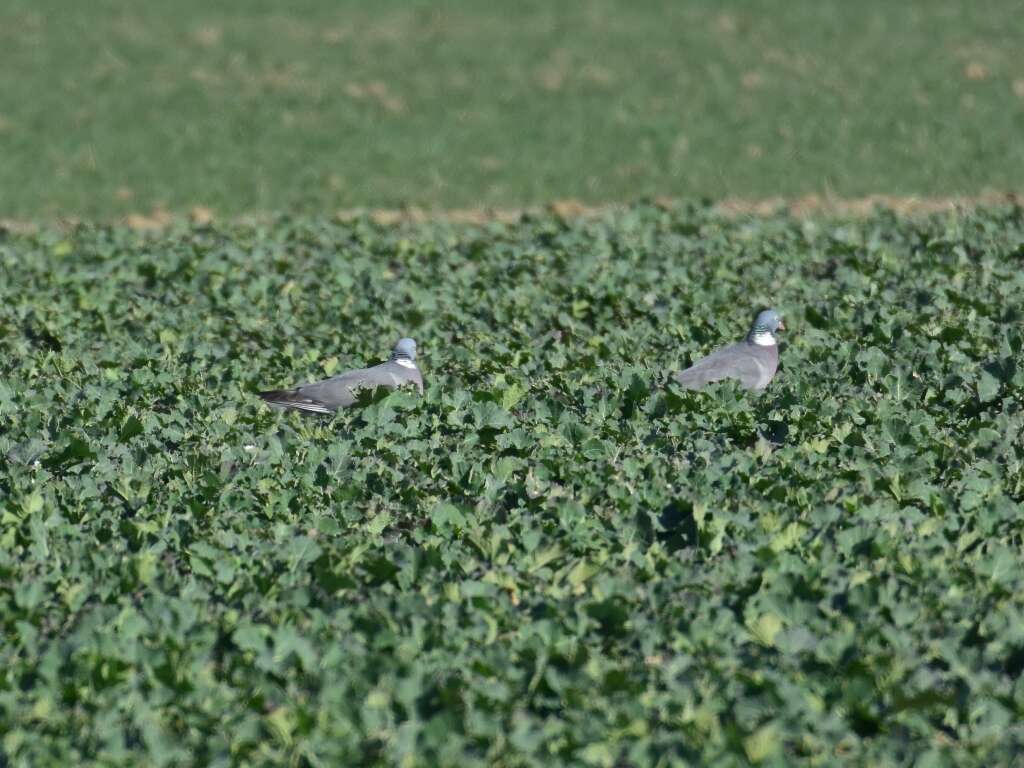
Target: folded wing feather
734,362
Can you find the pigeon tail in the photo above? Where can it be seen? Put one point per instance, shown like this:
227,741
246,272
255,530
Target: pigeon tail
290,398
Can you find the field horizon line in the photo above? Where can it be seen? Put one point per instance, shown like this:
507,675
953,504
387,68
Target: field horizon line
804,206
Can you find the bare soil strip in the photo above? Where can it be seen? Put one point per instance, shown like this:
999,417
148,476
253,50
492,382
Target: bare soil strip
808,206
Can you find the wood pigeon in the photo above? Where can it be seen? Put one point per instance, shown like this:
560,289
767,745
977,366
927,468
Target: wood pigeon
752,362
340,391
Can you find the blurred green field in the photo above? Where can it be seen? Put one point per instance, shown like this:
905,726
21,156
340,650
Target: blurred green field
555,557
116,107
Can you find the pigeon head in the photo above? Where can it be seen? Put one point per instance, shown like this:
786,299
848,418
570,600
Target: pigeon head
405,349
763,330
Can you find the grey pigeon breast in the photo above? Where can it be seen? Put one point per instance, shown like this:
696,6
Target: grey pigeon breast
752,365
394,374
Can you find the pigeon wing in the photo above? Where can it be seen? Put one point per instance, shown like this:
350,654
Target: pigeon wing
324,396
732,362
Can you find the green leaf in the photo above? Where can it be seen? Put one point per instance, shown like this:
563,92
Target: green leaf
63,248
250,637
788,538
446,515
33,503
988,386
488,415
581,572
762,743
765,628
511,395
282,723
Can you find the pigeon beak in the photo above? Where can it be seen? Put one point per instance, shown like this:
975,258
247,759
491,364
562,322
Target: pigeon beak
782,326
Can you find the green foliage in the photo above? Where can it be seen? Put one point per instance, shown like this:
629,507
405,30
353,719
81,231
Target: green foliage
555,556
110,107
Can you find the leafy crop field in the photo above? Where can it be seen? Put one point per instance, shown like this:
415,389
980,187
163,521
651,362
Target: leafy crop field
111,107
555,557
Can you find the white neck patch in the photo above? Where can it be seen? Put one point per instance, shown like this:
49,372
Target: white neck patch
406,363
763,339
